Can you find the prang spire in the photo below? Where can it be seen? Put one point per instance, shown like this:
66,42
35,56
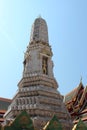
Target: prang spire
39,31
38,89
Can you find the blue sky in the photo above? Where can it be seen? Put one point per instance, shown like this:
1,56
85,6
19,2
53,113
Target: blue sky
67,28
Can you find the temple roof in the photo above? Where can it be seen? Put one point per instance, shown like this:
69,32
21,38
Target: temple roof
76,103
72,95
84,95
4,103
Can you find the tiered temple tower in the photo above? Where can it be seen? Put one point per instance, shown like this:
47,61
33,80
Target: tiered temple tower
37,90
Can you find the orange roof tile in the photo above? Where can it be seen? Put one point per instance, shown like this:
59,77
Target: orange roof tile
83,119
2,111
1,119
5,99
85,110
